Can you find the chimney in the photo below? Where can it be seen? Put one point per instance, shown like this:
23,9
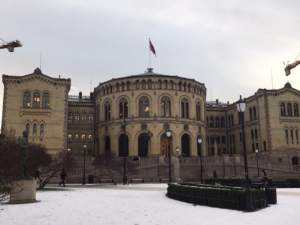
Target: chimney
217,101
91,95
80,95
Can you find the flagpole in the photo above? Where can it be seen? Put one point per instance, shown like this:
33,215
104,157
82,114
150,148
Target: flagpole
149,55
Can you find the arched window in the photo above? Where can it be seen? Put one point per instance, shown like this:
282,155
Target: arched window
185,108
282,109
123,145
128,85
143,84
149,84
184,86
165,106
36,100
107,111
123,108
289,109
143,145
159,84
107,144
123,86
165,84
185,145
26,99
189,87
250,113
34,129
254,113
179,86
198,111
296,109
137,84
172,84
42,130
45,100
27,128
144,107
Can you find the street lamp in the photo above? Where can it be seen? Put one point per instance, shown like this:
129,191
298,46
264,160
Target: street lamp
241,107
169,135
256,154
84,156
199,141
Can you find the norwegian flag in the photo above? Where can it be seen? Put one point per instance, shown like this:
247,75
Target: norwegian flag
151,47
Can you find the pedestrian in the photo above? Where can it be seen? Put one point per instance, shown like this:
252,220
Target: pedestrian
266,180
37,176
63,176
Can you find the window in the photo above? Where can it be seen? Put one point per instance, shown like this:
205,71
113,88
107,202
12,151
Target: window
289,109
198,111
287,136
91,117
295,161
185,145
217,122
107,144
123,108
185,108
90,137
45,100
222,122
123,145
292,136
143,145
297,136
143,84
149,84
254,113
123,86
107,111
282,109
42,130
265,146
144,107
34,129
36,100
165,84
256,134
252,135
137,84
27,128
76,136
159,84
296,109
165,106
117,87
211,122
83,136
26,99
250,113
128,85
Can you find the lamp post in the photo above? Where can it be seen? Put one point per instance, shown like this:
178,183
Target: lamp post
241,107
256,154
169,135
84,156
199,141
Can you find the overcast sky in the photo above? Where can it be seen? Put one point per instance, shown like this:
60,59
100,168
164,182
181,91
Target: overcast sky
232,46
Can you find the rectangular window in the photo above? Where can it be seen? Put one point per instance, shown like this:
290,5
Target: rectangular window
287,136
292,136
265,146
297,136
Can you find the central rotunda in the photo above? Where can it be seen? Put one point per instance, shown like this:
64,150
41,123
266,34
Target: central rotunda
135,112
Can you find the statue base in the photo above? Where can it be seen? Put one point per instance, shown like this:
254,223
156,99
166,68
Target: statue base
23,191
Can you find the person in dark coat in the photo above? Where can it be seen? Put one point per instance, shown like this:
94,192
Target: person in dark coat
37,176
63,176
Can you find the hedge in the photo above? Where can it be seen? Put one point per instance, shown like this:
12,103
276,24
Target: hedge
221,196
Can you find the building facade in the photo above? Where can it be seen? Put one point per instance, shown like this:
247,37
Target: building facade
129,117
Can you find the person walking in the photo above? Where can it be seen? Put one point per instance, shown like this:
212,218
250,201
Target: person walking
63,176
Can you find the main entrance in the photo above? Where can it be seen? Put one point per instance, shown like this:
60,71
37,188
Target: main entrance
165,144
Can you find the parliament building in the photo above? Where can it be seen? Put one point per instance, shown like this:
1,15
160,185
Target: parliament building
130,116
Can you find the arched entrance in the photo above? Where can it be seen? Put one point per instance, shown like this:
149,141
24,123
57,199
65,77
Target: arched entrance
143,144
123,145
185,145
107,145
165,144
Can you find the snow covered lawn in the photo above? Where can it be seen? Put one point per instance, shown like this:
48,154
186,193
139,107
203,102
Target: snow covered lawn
139,204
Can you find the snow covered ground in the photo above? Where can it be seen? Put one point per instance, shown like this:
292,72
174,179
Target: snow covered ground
139,204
